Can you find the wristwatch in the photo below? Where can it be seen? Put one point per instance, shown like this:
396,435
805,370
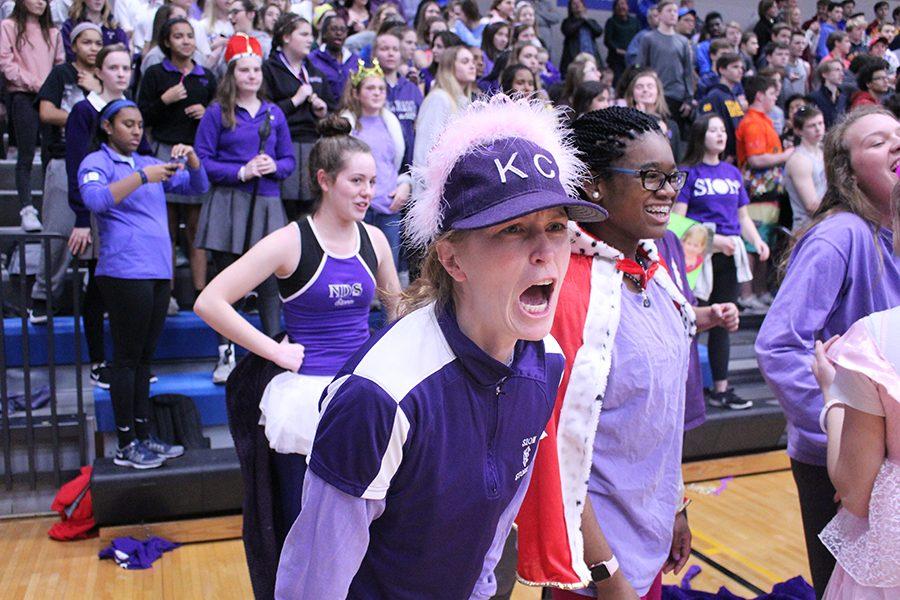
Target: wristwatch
602,571
143,176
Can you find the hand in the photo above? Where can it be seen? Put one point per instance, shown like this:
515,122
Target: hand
266,164
400,195
89,82
822,367
195,111
762,249
681,545
288,356
723,244
686,108
219,42
79,240
318,106
174,94
727,315
251,169
788,143
303,92
413,75
161,172
183,150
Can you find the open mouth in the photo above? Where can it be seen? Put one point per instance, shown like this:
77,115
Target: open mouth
535,300
362,205
895,165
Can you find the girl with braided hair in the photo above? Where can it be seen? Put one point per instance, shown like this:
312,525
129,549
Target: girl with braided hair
626,330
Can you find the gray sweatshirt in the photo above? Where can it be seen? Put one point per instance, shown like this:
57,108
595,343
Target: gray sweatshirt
671,57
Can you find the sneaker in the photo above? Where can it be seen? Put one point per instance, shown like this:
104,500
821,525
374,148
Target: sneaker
100,375
37,314
173,306
752,303
30,221
728,399
162,449
137,456
225,365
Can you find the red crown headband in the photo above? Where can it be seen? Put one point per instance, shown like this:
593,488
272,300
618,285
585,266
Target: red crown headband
241,45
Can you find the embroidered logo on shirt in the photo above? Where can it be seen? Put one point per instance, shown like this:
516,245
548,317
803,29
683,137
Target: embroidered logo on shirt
527,446
344,293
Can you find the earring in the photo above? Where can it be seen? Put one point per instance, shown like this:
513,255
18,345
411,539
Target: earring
595,195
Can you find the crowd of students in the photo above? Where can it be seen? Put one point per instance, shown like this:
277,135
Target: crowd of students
295,145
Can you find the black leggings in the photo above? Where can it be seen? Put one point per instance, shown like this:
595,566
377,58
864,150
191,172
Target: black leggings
268,302
817,508
24,114
137,312
725,289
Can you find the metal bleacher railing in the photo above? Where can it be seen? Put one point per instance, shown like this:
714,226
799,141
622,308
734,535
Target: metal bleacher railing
23,430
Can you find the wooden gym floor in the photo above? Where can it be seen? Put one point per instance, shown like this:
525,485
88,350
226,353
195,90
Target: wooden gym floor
744,517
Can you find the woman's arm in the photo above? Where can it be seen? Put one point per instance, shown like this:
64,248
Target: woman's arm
799,168
278,253
751,234
206,144
285,163
386,277
50,114
596,550
861,451
327,543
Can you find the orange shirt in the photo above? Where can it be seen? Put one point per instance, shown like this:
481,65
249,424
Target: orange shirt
756,135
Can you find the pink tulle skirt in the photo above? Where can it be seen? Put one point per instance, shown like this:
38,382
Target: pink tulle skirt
868,550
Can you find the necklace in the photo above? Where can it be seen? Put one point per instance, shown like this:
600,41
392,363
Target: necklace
639,274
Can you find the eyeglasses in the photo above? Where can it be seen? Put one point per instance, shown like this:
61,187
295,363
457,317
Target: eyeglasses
235,11
653,180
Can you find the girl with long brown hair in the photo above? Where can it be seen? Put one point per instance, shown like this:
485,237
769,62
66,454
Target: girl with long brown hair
840,269
245,145
29,47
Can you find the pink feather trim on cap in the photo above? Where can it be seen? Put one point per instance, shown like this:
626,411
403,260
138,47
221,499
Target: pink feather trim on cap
481,123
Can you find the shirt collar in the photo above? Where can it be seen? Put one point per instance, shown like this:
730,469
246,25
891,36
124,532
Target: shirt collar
481,367
129,160
345,54
96,101
168,66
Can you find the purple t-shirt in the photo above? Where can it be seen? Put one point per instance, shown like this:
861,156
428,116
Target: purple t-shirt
374,132
714,194
635,480
836,277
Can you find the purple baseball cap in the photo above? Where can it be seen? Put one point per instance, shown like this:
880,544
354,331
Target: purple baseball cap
506,179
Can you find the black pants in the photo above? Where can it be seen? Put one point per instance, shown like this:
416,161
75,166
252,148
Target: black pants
24,114
137,312
268,302
725,289
288,472
92,310
817,508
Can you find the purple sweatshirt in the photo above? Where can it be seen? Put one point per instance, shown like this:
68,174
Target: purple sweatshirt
421,460
836,277
404,100
134,234
224,151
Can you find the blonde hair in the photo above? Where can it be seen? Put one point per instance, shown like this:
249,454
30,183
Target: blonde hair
446,78
434,283
698,232
660,109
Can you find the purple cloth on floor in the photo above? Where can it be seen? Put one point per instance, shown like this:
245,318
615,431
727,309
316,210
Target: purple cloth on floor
793,589
130,553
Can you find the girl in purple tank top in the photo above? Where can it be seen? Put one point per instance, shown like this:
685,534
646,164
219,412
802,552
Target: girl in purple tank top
328,267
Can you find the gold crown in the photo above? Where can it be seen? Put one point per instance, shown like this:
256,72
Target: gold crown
363,71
